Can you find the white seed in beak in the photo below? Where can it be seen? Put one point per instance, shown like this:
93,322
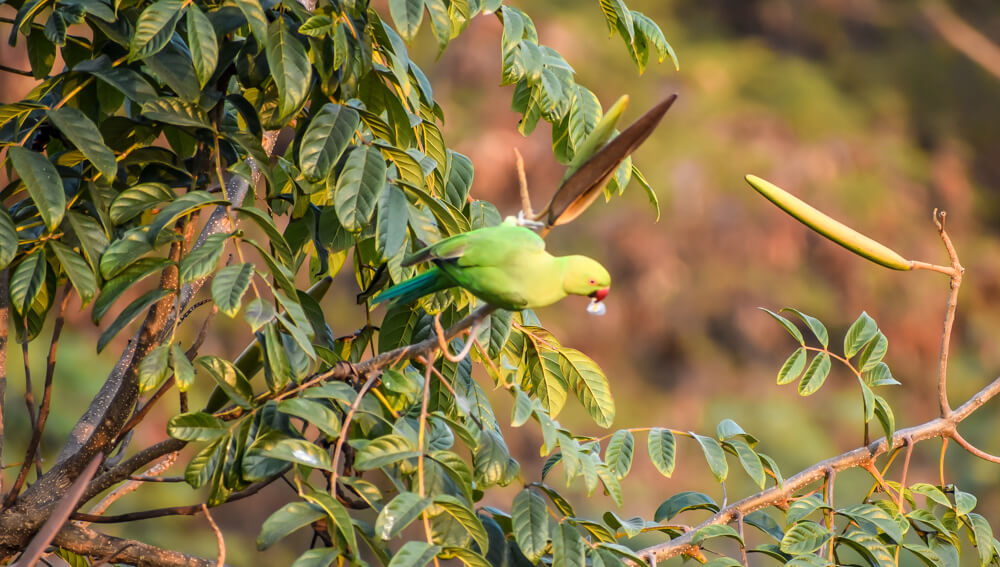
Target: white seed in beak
596,307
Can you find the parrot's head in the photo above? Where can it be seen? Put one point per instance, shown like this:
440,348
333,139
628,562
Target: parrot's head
584,276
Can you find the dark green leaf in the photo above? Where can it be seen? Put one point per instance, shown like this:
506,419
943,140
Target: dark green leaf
290,67
254,14
266,223
682,502
860,332
390,222
750,461
43,183
384,451
203,465
414,554
155,27
293,451
714,455
196,426
83,133
407,15
792,367
134,309
286,520
815,375
77,269
765,523
203,43
661,445
181,206
113,289
530,519
324,418
814,325
229,285
464,516
328,135
358,187
8,239
788,325
175,111
153,368
201,261
804,537
138,199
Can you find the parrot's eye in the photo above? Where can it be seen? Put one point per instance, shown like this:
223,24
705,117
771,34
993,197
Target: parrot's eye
593,281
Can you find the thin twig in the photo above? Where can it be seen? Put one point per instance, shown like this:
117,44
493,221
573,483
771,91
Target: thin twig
140,414
973,449
159,467
906,470
339,448
15,71
421,437
190,510
944,451
220,541
443,345
949,317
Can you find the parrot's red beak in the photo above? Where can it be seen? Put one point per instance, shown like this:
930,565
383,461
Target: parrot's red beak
600,294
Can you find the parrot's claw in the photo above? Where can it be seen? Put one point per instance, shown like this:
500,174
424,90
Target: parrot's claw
521,220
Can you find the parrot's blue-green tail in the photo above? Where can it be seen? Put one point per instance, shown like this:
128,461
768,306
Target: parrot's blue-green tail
414,288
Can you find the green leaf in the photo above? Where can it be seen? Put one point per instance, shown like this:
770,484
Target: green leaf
398,514
683,501
384,451
872,355
290,67
43,183
155,28
358,187
203,43
815,375
765,523
133,274
77,269
464,516
153,368
297,451
750,461
618,455
229,285
590,384
326,138
802,507
171,110
286,520
258,313
274,236
814,325
390,222
138,199
202,260
83,133
467,556
324,418
792,367
874,520
568,547
714,455
804,537
230,379
788,325
8,239
256,19
183,370
722,561
925,554
414,554
885,417
543,368
277,366
196,426
460,176
983,535
125,80
932,493
880,375
337,513
964,502
713,531
123,252
183,205
407,15
662,445
858,334
202,466
530,519
868,546
134,309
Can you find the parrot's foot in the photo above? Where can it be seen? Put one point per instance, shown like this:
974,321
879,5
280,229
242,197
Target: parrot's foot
521,220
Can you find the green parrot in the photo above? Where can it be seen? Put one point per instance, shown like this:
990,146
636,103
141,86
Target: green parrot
506,266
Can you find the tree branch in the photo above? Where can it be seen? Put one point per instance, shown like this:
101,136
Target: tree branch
939,427
4,310
90,543
963,37
130,465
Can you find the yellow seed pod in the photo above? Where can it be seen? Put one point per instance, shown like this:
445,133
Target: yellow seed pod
828,227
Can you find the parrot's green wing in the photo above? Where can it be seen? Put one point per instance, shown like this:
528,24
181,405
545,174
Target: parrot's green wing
481,247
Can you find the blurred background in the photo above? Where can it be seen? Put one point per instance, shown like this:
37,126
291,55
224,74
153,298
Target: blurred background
868,110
